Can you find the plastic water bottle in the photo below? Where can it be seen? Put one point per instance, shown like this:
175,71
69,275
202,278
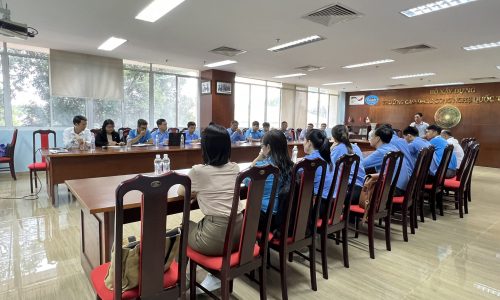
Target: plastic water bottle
182,140
158,165
157,140
295,152
166,163
92,143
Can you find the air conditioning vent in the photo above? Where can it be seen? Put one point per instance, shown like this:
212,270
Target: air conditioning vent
332,14
414,49
483,78
227,51
310,68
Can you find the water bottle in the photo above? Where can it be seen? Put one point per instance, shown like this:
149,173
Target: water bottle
295,152
92,143
166,163
157,140
182,139
158,165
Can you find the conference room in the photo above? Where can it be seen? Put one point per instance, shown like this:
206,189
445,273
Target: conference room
249,149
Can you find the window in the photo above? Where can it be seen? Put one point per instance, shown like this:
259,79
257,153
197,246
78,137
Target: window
258,103
273,107
242,104
107,109
166,98
136,102
312,108
64,109
2,104
188,100
332,118
324,102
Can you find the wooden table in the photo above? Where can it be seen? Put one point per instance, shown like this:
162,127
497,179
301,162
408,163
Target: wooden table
78,164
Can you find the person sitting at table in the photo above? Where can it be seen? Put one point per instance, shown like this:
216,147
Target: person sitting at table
266,127
433,135
107,136
323,129
212,184
161,133
415,142
141,135
381,140
254,134
457,148
341,146
191,135
287,132
77,136
235,133
303,134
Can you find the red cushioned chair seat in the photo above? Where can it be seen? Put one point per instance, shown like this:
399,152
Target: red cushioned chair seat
355,208
398,200
428,187
277,241
330,222
269,237
451,184
38,166
215,262
4,159
98,274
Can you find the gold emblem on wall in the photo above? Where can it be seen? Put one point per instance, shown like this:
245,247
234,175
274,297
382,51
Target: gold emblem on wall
448,116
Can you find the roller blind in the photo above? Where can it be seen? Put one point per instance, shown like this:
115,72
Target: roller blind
85,76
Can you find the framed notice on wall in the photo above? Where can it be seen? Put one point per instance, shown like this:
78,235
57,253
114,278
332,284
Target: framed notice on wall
357,100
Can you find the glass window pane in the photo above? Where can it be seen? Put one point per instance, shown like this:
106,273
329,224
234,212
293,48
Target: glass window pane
258,103
2,104
107,109
29,79
136,104
188,100
324,100
312,108
165,98
333,117
66,108
273,106
241,104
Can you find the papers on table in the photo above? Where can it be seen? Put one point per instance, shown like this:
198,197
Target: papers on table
58,150
141,145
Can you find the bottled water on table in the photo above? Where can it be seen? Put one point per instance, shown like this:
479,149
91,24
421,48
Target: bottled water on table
295,152
92,143
182,139
157,140
158,165
166,163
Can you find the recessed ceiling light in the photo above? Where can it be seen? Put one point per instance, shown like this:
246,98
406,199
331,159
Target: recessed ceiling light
370,63
338,83
375,89
290,75
304,41
482,46
111,43
433,6
220,63
157,9
498,67
444,84
414,75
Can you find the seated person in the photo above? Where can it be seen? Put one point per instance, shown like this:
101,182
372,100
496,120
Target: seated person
316,145
402,146
266,127
433,134
415,142
77,136
303,133
107,136
380,139
323,129
342,146
162,133
141,135
235,133
254,134
191,135
457,148
287,132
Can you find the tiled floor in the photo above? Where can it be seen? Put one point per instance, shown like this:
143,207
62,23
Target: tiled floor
451,258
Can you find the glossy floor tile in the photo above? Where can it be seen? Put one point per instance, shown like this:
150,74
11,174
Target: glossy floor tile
450,258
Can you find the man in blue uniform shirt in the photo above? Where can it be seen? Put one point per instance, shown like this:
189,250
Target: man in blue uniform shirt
254,134
235,133
191,135
141,135
162,133
415,142
433,134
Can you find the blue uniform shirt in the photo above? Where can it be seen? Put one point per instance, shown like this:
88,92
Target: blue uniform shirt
408,160
235,136
162,137
190,137
267,187
256,135
317,177
439,144
416,145
375,159
340,150
133,134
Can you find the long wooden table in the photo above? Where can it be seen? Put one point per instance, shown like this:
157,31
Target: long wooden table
78,164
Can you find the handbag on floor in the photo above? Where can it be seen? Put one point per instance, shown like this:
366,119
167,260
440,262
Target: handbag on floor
367,193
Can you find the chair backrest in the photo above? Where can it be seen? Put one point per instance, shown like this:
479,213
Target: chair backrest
250,225
154,129
471,162
174,130
11,148
386,183
443,166
467,153
95,131
425,168
338,207
154,208
465,142
300,201
297,132
419,171
292,134
44,141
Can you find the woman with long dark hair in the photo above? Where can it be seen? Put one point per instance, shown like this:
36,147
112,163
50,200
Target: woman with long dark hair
107,136
316,145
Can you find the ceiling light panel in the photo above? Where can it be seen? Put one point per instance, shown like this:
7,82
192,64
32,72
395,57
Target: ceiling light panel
443,84
338,83
375,89
482,46
370,63
301,42
413,75
111,43
290,75
220,63
157,9
433,6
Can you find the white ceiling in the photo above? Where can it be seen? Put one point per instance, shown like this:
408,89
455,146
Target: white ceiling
185,35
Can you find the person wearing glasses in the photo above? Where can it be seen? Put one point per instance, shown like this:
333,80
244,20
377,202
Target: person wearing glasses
107,136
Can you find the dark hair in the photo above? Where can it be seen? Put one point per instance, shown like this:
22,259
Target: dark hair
106,123
310,124
279,153
435,128
282,122
215,145
255,123
420,114
211,123
141,122
386,125
160,121
266,124
191,123
384,133
234,122
78,119
320,143
410,130
341,134
323,124
447,132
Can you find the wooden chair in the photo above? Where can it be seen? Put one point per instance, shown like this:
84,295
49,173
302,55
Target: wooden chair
297,132
9,156
435,189
250,255
292,134
174,130
123,132
154,283
44,145
336,218
381,200
300,214
95,131
407,204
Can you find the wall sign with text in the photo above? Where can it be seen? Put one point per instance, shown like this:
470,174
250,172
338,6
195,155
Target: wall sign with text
357,100
371,100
